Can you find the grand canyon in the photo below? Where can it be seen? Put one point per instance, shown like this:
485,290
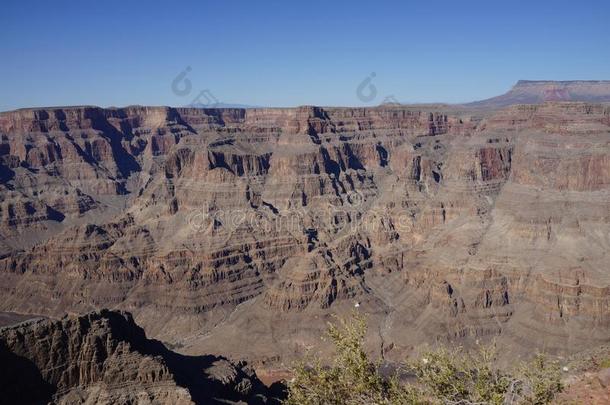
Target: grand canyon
159,240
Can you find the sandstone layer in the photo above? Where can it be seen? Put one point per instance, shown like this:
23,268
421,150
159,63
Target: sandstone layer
240,231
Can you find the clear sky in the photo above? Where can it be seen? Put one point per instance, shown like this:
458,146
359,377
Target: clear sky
286,53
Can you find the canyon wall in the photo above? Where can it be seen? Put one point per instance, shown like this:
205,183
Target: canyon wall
241,231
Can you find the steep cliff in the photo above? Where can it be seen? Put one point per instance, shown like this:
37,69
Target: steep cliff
104,357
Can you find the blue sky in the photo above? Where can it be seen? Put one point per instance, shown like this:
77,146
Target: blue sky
286,53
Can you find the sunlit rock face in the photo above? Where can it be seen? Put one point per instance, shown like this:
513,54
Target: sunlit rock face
239,231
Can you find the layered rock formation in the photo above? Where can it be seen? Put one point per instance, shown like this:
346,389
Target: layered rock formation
540,91
104,357
240,231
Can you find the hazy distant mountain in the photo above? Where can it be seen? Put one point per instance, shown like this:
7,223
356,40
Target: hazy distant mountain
222,105
539,91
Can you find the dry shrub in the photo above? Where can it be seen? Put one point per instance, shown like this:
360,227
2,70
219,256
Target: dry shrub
444,376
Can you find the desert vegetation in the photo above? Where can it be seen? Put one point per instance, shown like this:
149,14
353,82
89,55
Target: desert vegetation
449,376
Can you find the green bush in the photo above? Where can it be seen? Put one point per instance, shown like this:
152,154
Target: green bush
605,363
350,379
454,376
444,376
542,380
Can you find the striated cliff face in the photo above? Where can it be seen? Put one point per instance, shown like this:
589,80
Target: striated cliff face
104,357
204,222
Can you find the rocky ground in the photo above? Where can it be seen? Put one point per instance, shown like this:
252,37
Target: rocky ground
587,377
241,232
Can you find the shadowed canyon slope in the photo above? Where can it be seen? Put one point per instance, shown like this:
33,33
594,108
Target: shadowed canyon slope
104,357
240,231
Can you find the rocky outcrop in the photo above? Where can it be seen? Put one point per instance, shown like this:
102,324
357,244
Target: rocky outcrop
104,357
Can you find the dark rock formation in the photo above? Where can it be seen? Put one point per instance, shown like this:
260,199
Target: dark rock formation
104,357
